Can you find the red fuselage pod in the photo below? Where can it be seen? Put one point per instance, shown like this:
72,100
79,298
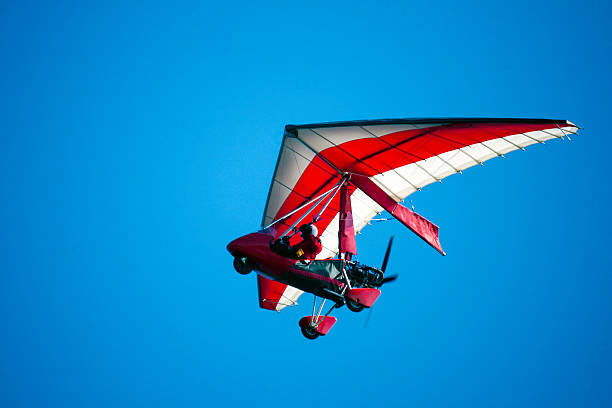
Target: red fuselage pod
318,277
256,247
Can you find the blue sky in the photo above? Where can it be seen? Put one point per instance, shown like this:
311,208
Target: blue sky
138,140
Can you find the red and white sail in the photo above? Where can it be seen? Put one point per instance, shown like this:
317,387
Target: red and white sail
274,295
399,156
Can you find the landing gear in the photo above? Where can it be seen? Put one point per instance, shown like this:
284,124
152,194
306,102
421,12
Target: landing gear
309,332
243,265
317,325
353,306
359,298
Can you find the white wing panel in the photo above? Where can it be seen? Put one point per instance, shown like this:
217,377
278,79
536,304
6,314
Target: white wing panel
339,135
427,171
292,166
278,195
293,160
500,146
289,298
314,141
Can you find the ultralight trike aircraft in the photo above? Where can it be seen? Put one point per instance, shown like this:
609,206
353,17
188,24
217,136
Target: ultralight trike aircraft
338,176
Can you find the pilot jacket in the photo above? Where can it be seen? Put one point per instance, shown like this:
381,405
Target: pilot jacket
309,248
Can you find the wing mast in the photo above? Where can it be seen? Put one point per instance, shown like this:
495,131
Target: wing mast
346,230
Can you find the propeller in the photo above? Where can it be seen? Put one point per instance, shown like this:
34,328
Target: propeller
385,280
389,279
384,264
385,261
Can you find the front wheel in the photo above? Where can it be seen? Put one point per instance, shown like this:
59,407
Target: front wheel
309,332
354,306
242,265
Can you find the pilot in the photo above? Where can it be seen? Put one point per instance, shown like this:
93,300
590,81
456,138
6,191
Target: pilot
310,246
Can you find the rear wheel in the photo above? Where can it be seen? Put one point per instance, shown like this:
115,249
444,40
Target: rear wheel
354,306
309,332
242,265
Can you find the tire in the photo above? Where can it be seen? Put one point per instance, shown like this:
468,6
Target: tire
242,265
309,332
354,306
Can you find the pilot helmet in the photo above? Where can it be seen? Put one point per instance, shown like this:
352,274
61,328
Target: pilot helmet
309,229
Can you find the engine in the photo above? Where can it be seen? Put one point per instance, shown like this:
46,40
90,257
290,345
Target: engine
364,276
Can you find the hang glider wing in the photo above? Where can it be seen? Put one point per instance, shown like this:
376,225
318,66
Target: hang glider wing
274,295
399,156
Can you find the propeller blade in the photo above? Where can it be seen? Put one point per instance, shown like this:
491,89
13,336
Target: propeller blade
389,279
384,264
385,280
